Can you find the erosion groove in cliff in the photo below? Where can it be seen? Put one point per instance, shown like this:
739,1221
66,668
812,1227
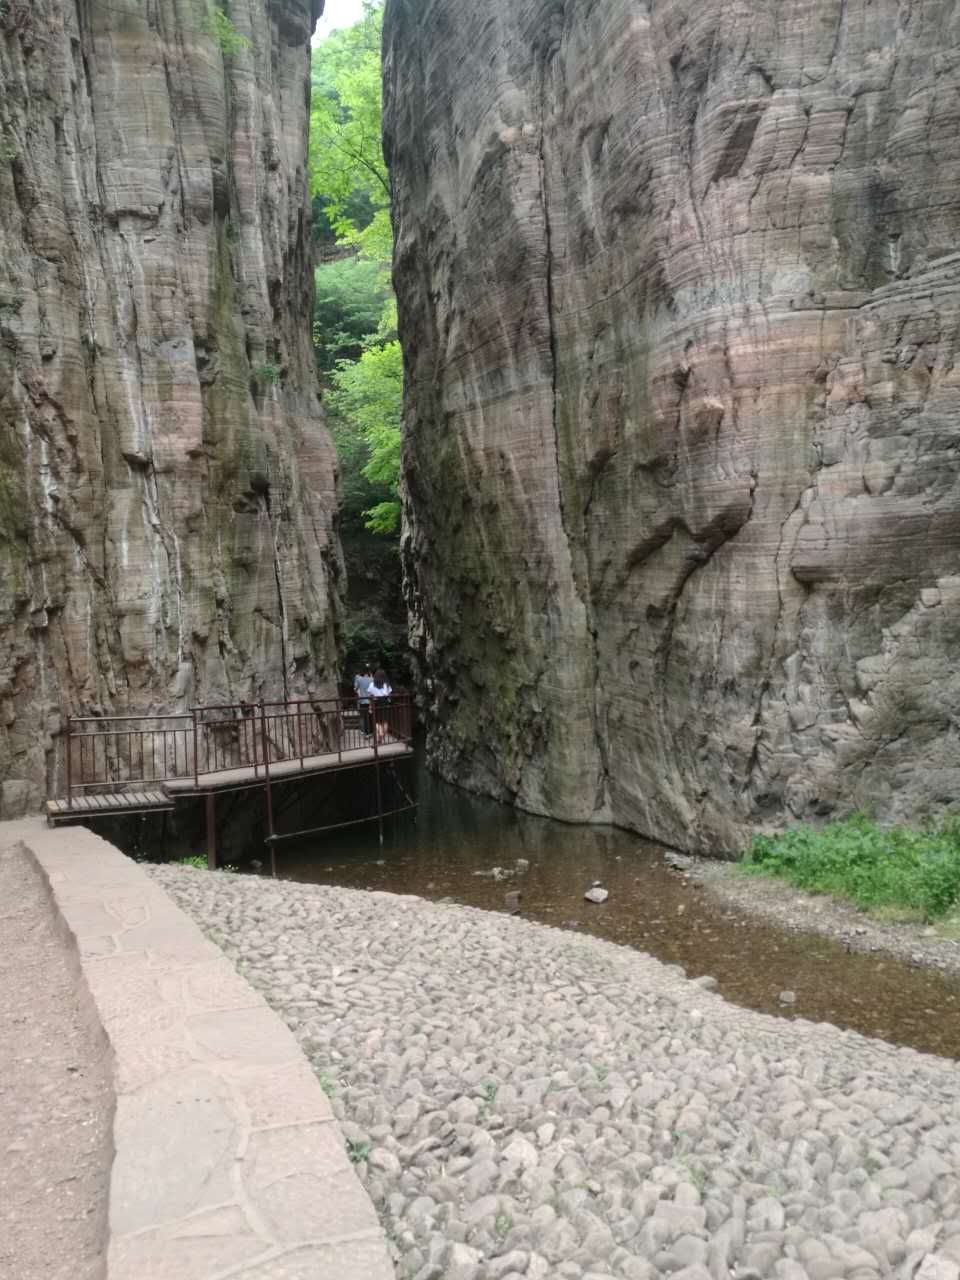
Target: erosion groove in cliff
167,486
681,301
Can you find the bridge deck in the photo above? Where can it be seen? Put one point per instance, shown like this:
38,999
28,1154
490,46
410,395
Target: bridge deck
284,770
143,763
116,802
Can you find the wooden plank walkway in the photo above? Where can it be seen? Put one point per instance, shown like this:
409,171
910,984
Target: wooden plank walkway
284,770
89,806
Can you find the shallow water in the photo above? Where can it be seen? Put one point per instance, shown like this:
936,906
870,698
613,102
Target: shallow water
437,852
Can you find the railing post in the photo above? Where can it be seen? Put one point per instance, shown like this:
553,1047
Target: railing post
211,809
69,767
266,775
196,750
376,770
300,732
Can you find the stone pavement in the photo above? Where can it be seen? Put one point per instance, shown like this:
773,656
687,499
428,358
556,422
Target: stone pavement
228,1160
526,1103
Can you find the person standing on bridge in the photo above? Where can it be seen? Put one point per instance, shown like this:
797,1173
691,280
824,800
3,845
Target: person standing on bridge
380,692
361,687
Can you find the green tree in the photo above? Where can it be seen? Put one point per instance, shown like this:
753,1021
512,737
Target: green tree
348,307
367,398
347,169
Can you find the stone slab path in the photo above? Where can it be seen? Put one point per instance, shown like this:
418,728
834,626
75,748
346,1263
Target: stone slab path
228,1161
523,1102
56,1096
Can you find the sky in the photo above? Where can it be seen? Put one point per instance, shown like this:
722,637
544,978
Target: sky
338,13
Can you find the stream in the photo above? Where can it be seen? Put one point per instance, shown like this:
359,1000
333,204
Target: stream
446,849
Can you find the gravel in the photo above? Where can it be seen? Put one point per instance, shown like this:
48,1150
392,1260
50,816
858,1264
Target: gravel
926,947
525,1102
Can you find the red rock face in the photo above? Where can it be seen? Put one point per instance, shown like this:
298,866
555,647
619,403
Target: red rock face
167,487
679,287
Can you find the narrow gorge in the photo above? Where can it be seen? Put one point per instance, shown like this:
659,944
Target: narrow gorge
679,290
167,486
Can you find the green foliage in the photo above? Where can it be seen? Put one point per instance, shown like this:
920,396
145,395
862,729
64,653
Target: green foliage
346,155
218,25
367,398
197,860
271,373
357,1151
873,867
328,1083
348,307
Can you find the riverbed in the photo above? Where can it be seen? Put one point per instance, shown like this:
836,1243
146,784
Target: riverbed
473,851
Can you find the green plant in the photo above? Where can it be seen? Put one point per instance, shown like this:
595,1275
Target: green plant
198,860
8,150
328,1083
601,1072
271,373
488,1091
874,867
219,27
357,1151
502,1225
695,1172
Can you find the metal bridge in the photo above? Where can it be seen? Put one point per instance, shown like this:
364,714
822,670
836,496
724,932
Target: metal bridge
117,765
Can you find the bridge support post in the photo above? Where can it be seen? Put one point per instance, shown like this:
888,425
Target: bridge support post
69,767
267,791
211,807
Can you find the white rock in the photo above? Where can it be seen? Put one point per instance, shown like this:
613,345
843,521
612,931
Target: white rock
523,1152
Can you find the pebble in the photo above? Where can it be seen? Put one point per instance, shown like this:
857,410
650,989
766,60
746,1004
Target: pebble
541,1105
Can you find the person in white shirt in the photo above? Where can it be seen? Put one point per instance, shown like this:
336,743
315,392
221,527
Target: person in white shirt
379,694
361,684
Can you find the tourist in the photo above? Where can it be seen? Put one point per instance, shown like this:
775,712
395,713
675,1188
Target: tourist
380,691
361,686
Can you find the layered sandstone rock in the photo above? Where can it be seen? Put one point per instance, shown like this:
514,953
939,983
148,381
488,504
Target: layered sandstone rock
167,488
680,292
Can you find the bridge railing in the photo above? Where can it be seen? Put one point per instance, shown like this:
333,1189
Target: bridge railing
126,752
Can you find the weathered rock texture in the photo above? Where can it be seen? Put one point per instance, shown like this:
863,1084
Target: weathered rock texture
166,483
679,287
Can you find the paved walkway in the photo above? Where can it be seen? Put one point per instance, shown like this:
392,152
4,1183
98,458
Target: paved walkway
56,1091
229,1162
525,1103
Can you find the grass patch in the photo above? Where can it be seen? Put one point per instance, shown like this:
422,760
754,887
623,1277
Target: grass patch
890,870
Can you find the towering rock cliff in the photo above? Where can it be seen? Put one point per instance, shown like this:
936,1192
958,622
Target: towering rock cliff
167,488
680,292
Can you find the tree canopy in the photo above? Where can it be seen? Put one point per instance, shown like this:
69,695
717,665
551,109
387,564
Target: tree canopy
355,315
347,168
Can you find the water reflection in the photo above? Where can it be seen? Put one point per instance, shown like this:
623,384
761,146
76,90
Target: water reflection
437,853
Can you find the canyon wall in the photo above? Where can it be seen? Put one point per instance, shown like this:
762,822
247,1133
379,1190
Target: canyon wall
167,487
679,288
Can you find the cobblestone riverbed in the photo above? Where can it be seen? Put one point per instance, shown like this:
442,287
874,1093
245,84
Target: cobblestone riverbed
526,1102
